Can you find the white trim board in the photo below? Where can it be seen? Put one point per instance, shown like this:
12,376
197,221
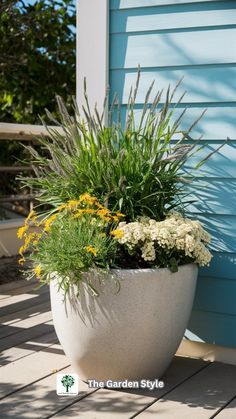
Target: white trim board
92,51
207,352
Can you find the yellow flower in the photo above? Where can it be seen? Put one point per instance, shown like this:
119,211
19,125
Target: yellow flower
73,203
37,271
32,237
100,206
61,207
106,218
115,218
21,250
28,240
89,211
37,238
104,214
49,221
21,231
103,211
118,234
119,214
88,199
32,216
21,261
84,211
91,249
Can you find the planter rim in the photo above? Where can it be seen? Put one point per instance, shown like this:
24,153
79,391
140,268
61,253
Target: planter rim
126,273
149,269
137,270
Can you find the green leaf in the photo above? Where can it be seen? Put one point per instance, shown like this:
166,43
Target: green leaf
173,265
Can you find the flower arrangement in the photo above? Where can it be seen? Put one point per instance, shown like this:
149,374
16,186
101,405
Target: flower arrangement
173,241
116,194
82,235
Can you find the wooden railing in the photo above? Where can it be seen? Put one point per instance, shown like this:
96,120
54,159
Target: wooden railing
24,133
21,132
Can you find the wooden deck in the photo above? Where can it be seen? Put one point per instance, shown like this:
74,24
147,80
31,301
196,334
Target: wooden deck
31,357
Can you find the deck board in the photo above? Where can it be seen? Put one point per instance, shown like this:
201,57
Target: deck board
41,317
13,318
229,412
16,288
110,404
25,335
27,348
18,302
12,286
15,299
26,370
31,356
199,397
38,400
8,292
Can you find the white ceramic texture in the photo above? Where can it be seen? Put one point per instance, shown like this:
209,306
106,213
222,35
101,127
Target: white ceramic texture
131,334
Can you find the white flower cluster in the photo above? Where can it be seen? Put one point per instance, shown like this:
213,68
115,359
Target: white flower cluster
175,233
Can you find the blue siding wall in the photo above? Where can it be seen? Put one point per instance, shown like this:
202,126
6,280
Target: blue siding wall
195,39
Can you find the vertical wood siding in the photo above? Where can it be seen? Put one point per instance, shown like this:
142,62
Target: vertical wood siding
195,40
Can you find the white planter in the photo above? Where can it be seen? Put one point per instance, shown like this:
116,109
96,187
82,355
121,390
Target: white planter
132,334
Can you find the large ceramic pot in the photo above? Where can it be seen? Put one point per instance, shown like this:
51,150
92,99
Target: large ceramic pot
130,334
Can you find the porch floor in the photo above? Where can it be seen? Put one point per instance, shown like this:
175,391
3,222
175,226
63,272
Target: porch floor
31,357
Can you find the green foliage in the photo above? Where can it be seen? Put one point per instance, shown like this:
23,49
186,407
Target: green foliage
75,239
69,257
37,52
136,168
